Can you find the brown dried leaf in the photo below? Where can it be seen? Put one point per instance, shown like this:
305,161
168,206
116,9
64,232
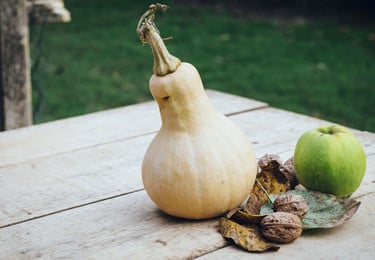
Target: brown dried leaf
269,179
241,217
247,237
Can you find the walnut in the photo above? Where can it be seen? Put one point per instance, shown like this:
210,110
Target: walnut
281,227
269,162
291,203
289,171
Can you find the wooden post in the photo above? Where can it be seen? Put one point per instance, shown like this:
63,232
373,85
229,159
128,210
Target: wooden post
15,86
15,82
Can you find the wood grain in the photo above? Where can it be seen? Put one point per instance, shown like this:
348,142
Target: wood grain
62,181
127,227
130,227
97,128
84,197
15,82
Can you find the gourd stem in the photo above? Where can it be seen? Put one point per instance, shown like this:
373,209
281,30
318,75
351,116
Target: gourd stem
164,62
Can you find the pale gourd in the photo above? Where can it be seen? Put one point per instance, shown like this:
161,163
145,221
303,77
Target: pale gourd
199,165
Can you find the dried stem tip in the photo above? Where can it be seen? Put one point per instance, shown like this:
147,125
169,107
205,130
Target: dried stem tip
164,62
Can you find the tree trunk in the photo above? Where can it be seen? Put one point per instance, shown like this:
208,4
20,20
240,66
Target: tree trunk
15,84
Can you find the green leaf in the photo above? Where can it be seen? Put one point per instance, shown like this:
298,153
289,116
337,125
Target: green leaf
325,210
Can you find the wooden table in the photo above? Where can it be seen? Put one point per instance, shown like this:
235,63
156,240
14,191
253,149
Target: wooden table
72,189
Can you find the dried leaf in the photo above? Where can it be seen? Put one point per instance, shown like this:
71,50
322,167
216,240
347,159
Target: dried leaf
269,179
325,210
247,237
241,217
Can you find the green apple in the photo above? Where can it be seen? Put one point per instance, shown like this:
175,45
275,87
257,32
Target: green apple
330,159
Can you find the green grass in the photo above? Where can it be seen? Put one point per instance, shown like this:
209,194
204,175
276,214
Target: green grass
96,61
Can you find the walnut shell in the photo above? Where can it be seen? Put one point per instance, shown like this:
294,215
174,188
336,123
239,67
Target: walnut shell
281,227
269,162
291,203
289,171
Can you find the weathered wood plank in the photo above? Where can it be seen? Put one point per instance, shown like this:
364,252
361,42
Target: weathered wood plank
83,176
97,128
40,187
87,203
127,227
130,227
15,83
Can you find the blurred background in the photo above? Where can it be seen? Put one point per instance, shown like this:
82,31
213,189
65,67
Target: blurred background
312,57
